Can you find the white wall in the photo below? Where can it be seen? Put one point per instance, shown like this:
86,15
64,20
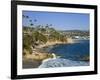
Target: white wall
5,30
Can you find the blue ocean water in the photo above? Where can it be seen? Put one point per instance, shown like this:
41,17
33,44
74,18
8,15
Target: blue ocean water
71,55
74,51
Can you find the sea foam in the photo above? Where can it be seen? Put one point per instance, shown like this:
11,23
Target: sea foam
60,62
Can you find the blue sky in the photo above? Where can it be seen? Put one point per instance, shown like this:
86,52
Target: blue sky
59,21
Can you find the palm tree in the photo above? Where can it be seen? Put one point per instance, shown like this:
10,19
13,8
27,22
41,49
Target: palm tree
35,20
23,16
30,20
50,25
31,24
27,17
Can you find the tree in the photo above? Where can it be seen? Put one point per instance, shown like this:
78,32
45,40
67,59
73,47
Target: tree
39,37
35,20
31,24
27,44
27,17
63,38
30,20
23,16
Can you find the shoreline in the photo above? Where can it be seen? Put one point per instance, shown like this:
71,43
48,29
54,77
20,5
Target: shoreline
69,41
35,59
51,43
39,51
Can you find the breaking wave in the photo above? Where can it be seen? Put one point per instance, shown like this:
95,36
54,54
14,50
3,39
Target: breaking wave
60,62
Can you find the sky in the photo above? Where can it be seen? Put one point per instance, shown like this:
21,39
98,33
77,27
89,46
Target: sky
59,20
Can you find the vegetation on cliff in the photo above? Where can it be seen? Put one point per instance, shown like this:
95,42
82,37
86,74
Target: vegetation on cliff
35,35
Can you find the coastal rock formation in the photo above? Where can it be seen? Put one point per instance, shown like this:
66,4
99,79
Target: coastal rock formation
38,56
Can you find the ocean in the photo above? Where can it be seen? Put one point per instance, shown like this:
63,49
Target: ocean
74,51
70,54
